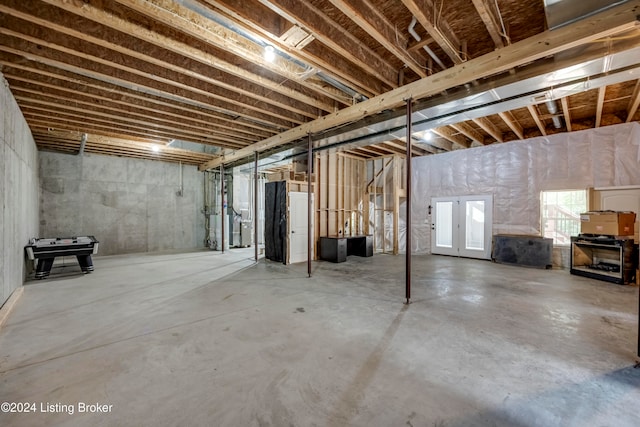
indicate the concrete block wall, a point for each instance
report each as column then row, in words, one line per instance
column 19, row 192
column 129, row 205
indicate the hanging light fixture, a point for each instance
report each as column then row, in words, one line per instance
column 269, row 53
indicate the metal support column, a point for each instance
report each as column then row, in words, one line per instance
column 408, row 193
column 223, row 212
column 309, row 213
column 255, row 203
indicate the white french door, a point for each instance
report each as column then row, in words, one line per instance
column 461, row 226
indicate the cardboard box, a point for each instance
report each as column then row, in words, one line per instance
column 608, row 223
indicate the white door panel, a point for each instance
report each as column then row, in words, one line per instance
column 298, row 226
column 462, row 226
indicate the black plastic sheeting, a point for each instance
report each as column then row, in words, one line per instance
column 275, row 221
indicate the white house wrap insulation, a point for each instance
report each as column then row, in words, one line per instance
column 516, row 172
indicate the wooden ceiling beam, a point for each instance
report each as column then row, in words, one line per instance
column 374, row 23
column 417, row 45
column 100, row 72
column 533, row 110
column 173, row 14
column 634, row 102
column 141, row 74
column 508, row 118
column 566, row 112
column 599, row 105
column 452, row 135
column 56, row 101
column 488, row 126
column 441, row 33
column 607, row 23
column 468, row 131
column 273, row 92
column 83, row 124
column 53, row 77
column 331, row 34
column 488, row 14
column 320, row 56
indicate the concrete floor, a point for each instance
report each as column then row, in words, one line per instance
column 202, row 338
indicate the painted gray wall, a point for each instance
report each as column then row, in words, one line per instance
column 129, row 205
column 516, row 172
column 18, row 191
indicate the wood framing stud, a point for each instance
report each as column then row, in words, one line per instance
column 469, row 132
column 633, row 102
column 566, row 113
column 488, row 15
column 486, row 125
column 452, row 135
column 508, row 118
column 599, row 105
column 533, row 110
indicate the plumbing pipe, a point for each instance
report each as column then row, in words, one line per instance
column 415, row 35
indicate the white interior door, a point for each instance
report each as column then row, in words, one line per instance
column 298, row 226
column 462, row 226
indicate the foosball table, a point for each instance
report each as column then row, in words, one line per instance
column 45, row 252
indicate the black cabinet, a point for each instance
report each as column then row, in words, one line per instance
column 604, row 258
column 336, row 249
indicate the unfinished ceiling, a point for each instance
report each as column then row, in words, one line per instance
column 207, row 81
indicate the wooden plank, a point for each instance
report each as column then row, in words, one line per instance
column 599, row 105
column 610, row 22
column 451, row 135
column 490, row 128
column 90, row 111
column 59, row 77
column 363, row 13
column 566, row 112
column 125, row 109
column 441, row 33
column 512, row 123
column 100, row 16
column 331, row 34
column 533, row 110
column 318, row 55
column 133, row 71
column 196, row 25
column 469, row 132
column 488, row 15
column 634, row 102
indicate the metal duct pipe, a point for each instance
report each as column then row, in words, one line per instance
column 426, row 48
column 552, row 106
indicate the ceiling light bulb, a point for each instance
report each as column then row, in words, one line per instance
column 269, row 53
column 155, row 148
column 427, row 135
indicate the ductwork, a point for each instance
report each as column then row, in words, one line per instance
column 416, row 36
column 552, row 106
column 564, row 12
column 519, row 94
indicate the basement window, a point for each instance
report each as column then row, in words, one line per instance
column 561, row 214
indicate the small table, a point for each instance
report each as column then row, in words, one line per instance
column 46, row 251
column 337, row 248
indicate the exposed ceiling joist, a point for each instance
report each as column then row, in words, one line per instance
column 490, row 128
column 513, row 124
column 363, row 13
column 533, row 110
column 634, row 102
column 610, row 22
column 491, row 19
column 441, row 31
column 566, row 112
